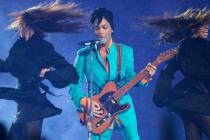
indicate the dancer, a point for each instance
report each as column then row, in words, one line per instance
column 33, row 59
column 189, row 97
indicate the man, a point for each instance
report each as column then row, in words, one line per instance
column 104, row 69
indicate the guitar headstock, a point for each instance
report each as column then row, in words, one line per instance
column 166, row 56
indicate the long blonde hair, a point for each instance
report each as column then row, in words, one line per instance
column 184, row 25
column 51, row 17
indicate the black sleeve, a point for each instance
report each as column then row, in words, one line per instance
column 62, row 73
column 3, row 66
column 164, row 82
column 7, row 64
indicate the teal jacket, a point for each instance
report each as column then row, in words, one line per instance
column 101, row 77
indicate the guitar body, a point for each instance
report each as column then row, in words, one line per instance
column 110, row 108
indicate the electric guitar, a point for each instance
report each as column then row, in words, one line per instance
column 110, row 95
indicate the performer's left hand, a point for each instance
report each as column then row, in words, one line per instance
column 43, row 72
column 150, row 69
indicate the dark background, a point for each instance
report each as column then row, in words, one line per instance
column 153, row 123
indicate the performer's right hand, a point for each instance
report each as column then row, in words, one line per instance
column 97, row 110
column 43, row 72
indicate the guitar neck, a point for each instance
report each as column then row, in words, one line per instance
column 141, row 75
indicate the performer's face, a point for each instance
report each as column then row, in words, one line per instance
column 26, row 32
column 103, row 30
column 203, row 31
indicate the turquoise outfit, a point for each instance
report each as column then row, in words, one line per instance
column 100, row 78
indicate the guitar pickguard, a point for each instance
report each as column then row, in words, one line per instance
column 110, row 104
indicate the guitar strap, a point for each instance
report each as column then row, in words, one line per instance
column 119, row 63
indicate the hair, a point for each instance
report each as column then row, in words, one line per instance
column 50, row 17
column 177, row 28
column 101, row 13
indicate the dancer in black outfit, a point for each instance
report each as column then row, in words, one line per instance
column 33, row 59
column 190, row 97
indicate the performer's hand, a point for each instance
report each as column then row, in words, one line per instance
column 43, row 72
column 150, row 69
column 97, row 110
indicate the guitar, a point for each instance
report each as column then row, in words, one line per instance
column 109, row 97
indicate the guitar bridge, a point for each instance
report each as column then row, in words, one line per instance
column 103, row 120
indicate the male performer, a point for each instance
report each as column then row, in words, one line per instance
column 104, row 69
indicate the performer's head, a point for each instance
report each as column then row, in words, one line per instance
column 188, row 24
column 198, row 21
column 102, row 21
column 202, row 31
column 49, row 18
column 26, row 31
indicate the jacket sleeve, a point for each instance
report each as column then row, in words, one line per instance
column 61, row 73
column 164, row 83
column 75, row 90
column 130, row 73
